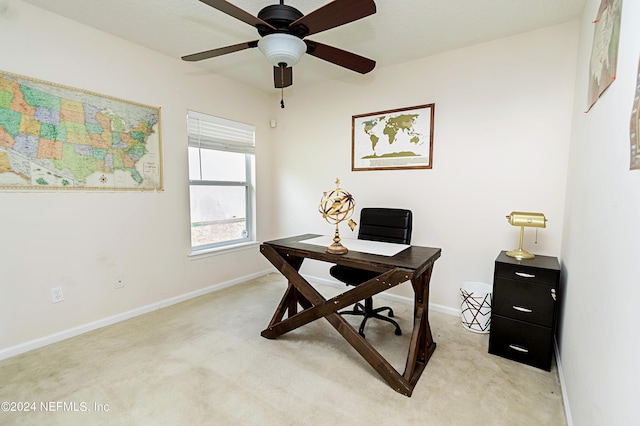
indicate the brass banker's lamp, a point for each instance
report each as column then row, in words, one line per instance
column 522, row 219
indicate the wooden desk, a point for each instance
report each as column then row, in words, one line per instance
column 414, row 263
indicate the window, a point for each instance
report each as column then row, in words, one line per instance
column 221, row 190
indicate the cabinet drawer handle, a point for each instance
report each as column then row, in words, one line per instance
column 521, row 309
column 525, row 275
column 519, row 348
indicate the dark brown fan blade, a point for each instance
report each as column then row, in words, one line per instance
column 334, row 14
column 282, row 77
column 220, row 51
column 340, row 57
column 236, row 12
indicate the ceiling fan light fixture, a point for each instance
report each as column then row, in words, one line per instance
column 281, row 48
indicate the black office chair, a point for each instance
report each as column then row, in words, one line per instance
column 376, row 224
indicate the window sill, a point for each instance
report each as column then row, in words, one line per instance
column 199, row 254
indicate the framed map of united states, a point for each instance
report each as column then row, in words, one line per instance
column 57, row 137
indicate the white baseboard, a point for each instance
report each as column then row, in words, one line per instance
column 76, row 331
column 565, row 396
column 388, row 296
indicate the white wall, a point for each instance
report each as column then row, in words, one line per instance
column 83, row 241
column 599, row 336
column 502, row 128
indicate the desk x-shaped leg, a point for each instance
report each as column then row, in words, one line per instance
column 315, row 306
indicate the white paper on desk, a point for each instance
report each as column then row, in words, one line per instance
column 364, row 246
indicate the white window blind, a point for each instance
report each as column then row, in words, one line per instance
column 210, row 132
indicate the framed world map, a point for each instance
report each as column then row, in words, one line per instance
column 393, row 140
column 58, row 137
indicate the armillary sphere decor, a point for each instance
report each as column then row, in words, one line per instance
column 337, row 205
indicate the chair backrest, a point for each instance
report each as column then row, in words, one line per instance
column 383, row 224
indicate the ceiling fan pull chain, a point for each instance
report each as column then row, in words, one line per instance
column 282, row 67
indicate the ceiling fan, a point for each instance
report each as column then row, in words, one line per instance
column 282, row 29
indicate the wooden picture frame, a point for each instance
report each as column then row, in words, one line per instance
column 395, row 139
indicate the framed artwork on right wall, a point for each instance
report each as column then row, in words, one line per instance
column 604, row 51
column 634, row 131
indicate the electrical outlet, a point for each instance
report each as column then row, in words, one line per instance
column 119, row 283
column 57, row 295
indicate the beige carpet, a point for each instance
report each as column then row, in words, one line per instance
column 203, row 362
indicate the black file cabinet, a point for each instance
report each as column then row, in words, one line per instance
column 525, row 309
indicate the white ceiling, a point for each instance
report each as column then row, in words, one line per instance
column 400, row 31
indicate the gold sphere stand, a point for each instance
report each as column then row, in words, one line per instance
column 337, row 247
